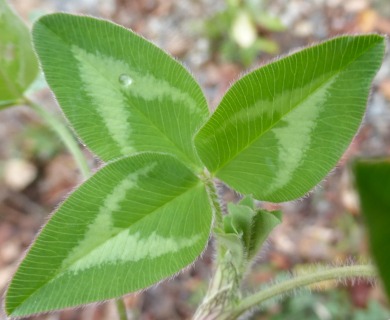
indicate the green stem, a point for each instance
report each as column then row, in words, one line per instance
column 65, row 135
column 337, row 273
column 213, row 194
column 121, row 308
column 217, row 205
column 224, row 291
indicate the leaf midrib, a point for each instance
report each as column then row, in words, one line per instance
column 62, row 271
column 335, row 74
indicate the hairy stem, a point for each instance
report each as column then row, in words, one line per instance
column 223, row 293
column 213, row 194
column 336, row 273
column 65, row 135
column 224, row 288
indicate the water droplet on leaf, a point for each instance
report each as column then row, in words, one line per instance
column 125, row 80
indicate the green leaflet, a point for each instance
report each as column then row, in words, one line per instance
column 373, row 182
column 121, row 93
column 238, row 221
column 280, row 129
column 18, row 64
column 251, row 225
column 248, row 201
column 136, row 221
column 263, row 224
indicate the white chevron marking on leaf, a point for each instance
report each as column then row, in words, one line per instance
column 97, row 72
column 102, row 229
column 292, row 147
column 132, row 247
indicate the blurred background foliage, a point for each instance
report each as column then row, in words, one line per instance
column 240, row 32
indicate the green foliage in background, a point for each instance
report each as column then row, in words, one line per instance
column 236, row 32
column 18, row 64
column 335, row 305
column 373, row 183
column 20, row 77
column 148, row 212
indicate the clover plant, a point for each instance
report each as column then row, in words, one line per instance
column 150, row 210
